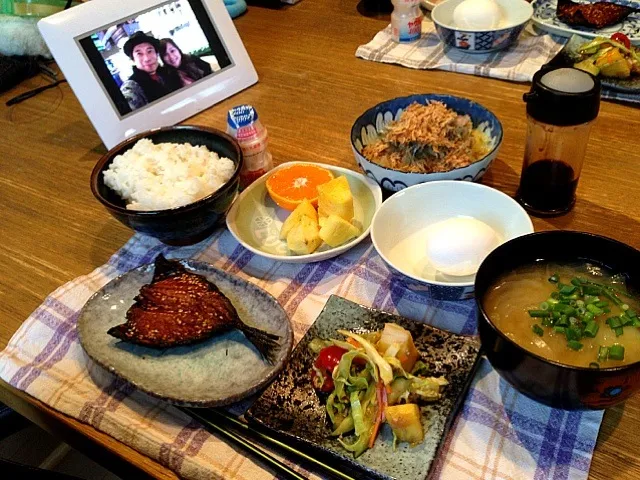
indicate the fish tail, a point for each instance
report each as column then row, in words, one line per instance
column 266, row 343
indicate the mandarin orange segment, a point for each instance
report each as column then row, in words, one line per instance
column 289, row 186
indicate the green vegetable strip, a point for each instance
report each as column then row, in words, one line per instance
column 539, row 313
column 603, row 353
column 591, row 329
column 537, row 329
column 574, row 345
column 616, row 352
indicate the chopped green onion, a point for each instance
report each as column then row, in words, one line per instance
column 544, row 306
column 556, row 315
column 588, row 299
column 555, row 278
column 601, row 303
column 603, row 353
column 591, row 329
column 612, row 296
column 573, row 333
column 555, row 295
column 562, row 322
column 581, row 310
column 559, row 329
column 595, row 310
column 614, row 322
column 616, row 352
column 547, row 322
column 574, row 345
column 631, row 313
column 626, row 320
column 537, row 329
column 606, row 310
column 576, row 282
column 624, row 306
column 618, row 331
column 580, row 303
column 592, row 289
column 589, row 316
column 539, row 313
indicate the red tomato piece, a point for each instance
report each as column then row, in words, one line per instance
column 328, row 359
column 622, row 38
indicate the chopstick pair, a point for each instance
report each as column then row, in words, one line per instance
column 232, row 423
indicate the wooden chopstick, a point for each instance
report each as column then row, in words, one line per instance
column 274, row 463
column 225, row 417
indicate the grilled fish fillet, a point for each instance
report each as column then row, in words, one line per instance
column 181, row 308
column 594, row 15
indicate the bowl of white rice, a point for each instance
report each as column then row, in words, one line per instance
column 173, row 183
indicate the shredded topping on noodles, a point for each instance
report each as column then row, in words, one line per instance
column 428, row 138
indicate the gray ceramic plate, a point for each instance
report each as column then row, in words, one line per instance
column 569, row 55
column 218, row 371
column 290, row 406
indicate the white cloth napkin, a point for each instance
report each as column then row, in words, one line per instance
column 517, row 63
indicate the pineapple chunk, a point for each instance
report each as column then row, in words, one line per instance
column 335, row 197
column 397, row 342
column 406, row 422
column 335, row 230
column 588, row 66
column 613, row 64
column 303, row 238
column 305, row 209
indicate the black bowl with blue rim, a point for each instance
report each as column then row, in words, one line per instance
column 468, row 37
column 550, row 382
column 404, row 225
column 368, row 127
column 184, row 225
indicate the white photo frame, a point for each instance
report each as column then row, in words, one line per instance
column 75, row 35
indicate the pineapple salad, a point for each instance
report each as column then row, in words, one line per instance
column 306, row 228
column 371, row 379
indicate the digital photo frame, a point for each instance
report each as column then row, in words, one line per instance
column 142, row 64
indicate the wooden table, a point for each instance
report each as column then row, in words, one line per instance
column 311, row 89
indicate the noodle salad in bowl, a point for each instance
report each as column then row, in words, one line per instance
column 421, row 138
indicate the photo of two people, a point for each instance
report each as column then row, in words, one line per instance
column 142, row 59
column 160, row 67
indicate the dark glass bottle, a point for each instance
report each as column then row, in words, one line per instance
column 561, row 108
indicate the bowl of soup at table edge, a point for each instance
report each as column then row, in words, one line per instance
column 373, row 122
column 548, row 381
column 187, row 224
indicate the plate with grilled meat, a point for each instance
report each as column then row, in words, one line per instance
column 187, row 332
column 588, row 18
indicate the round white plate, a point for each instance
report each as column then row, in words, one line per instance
column 255, row 220
column 544, row 17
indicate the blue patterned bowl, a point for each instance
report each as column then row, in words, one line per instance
column 367, row 127
column 516, row 15
column 400, row 227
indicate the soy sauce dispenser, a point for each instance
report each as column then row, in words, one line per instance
column 561, row 107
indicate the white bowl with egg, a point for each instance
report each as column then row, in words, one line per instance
column 481, row 26
column 435, row 235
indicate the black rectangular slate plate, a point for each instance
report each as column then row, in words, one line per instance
column 290, row 409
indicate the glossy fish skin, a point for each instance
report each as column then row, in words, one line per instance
column 181, row 308
column 594, row 15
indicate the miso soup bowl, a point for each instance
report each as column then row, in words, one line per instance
column 550, row 382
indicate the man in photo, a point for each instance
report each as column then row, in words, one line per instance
column 150, row 80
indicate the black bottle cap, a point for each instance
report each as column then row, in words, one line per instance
column 563, row 96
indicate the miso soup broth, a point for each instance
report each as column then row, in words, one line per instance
column 539, row 308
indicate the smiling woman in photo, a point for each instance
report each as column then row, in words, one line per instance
column 190, row 67
column 150, row 80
